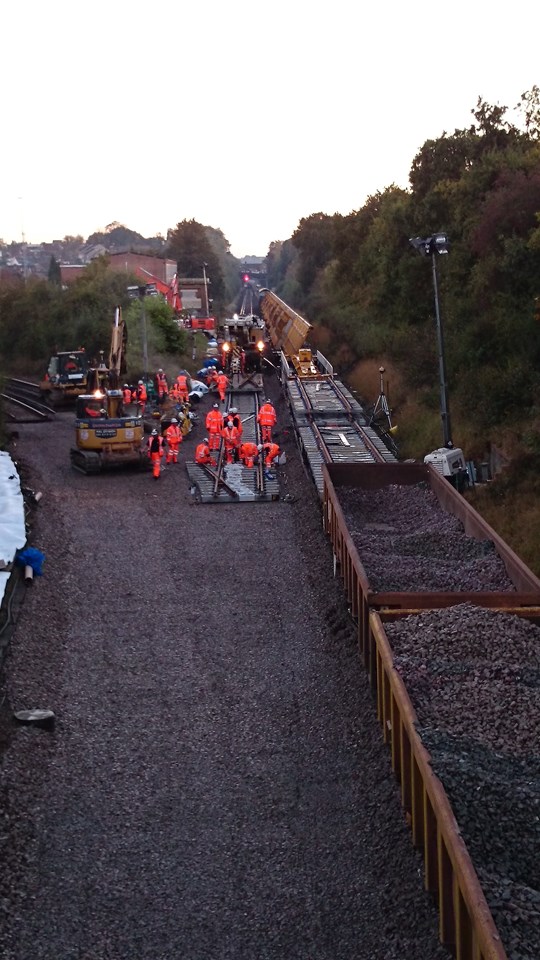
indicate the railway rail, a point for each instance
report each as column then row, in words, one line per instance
column 24, row 402
column 330, row 424
column 233, row 482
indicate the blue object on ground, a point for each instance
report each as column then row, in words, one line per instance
column 30, row 557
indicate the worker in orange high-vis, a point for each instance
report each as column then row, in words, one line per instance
column 231, row 440
column 203, row 454
column 140, row 397
column 155, row 452
column 270, row 452
column 248, row 453
column 183, row 387
column 126, row 395
column 173, row 436
column 211, row 377
column 162, row 387
column 174, row 393
column 267, row 419
column 214, row 425
column 235, row 417
column 222, row 383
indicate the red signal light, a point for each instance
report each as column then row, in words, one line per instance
column 246, row 278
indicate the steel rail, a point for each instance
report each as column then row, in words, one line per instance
column 25, row 395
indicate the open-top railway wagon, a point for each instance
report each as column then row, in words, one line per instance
column 448, row 626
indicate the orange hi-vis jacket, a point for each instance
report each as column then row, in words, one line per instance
column 230, row 436
column 173, row 435
column 139, row 393
column 248, row 453
column 235, row 417
column 267, row 415
column 182, row 386
column 202, row 454
column 174, row 392
column 126, row 394
column 222, row 383
column 214, row 421
column 162, row 385
column 158, row 446
column 271, row 452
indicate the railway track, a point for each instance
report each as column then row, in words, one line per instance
column 235, row 483
column 24, row 402
column 330, row 424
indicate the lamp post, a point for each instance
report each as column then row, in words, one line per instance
column 206, row 289
column 434, row 246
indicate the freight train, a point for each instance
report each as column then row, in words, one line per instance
column 448, row 628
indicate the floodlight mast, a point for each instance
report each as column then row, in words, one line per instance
column 431, row 246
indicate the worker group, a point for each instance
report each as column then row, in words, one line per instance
column 223, row 428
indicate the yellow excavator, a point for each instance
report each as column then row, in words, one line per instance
column 105, row 436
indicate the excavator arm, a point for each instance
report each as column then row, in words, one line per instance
column 117, row 353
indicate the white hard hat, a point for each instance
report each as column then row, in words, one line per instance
column 259, row 447
column 205, row 440
column 154, row 433
column 140, row 382
column 174, row 420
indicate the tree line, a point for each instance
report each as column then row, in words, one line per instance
column 359, row 275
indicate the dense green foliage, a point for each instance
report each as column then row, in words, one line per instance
column 192, row 248
column 359, row 276
column 39, row 318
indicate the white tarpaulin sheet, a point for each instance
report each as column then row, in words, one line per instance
column 12, row 525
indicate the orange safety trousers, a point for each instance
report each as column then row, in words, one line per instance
column 156, row 463
column 172, row 451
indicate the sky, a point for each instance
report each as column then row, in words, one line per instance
column 246, row 117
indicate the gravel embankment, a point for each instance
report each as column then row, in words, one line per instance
column 216, row 785
column 473, row 677
column 408, row 543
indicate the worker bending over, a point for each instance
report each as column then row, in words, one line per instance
column 270, row 452
column 248, row 453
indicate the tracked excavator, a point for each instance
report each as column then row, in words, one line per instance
column 106, row 434
column 66, row 378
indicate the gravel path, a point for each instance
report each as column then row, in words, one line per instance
column 216, row 786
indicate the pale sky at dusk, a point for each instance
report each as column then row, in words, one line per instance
column 245, row 117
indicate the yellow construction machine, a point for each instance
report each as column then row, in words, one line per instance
column 66, row 378
column 105, row 435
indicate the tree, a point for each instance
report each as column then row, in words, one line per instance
column 190, row 246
